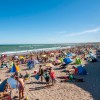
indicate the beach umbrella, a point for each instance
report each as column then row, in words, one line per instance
column 43, row 55
column 12, row 82
column 21, row 57
column 58, row 61
column 49, row 65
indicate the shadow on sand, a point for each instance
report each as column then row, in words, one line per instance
column 92, row 80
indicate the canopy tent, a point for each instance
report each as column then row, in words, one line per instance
column 78, row 61
column 67, row 60
column 14, row 68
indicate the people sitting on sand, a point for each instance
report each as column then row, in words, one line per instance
column 20, row 86
column 20, row 75
column 26, row 76
column 16, row 74
column 7, row 88
column 41, row 72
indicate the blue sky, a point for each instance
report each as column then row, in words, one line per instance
column 49, row 21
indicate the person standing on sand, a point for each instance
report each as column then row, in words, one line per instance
column 20, row 86
column 52, row 76
column 47, row 77
column 41, row 71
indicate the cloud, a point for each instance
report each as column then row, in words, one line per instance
column 84, row 32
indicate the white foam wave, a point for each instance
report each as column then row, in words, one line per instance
column 34, row 50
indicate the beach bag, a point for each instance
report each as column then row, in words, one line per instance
column 37, row 76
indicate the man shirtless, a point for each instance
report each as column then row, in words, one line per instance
column 20, row 85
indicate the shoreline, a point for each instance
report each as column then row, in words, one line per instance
column 10, row 53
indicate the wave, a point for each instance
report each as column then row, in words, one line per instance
column 34, row 50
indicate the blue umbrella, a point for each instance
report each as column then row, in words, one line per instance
column 12, row 82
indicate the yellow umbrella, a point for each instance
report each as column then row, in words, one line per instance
column 21, row 57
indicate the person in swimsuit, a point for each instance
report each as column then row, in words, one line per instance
column 47, row 77
column 20, row 85
column 41, row 71
column 52, row 76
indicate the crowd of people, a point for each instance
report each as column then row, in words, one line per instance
column 46, row 74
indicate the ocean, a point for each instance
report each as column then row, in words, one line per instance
column 22, row 48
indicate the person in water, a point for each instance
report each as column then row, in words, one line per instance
column 20, row 86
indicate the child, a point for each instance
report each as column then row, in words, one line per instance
column 26, row 76
column 52, row 76
column 47, row 77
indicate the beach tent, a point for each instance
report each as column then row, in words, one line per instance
column 81, row 70
column 61, row 59
column 30, row 64
column 11, row 81
column 36, row 62
column 67, row 60
column 14, row 68
column 78, row 61
column 2, row 85
column 92, row 58
column 69, row 54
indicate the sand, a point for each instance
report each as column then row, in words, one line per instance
column 88, row 90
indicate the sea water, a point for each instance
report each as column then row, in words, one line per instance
column 23, row 48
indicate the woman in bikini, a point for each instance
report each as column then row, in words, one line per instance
column 20, row 85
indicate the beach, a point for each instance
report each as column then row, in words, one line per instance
column 35, row 90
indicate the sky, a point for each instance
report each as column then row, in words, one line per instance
column 49, row 21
